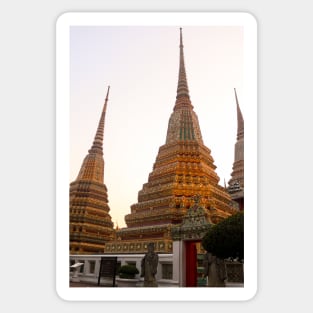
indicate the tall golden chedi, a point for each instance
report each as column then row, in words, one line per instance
column 90, row 222
column 236, row 183
column 183, row 169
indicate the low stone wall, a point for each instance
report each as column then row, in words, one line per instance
column 90, row 270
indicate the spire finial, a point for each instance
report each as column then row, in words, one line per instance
column 182, row 97
column 98, row 141
column 107, row 96
column 236, row 97
column 240, row 122
column 106, row 100
column 181, row 38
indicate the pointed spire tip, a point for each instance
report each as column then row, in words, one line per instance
column 236, row 96
column 107, row 93
column 181, row 37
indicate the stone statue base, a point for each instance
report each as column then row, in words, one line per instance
column 150, row 284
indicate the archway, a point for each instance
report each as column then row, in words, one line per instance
column 187, row 239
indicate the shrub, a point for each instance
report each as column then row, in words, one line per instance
column 226, row 239
column 128, row 271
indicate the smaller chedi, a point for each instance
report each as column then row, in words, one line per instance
column 90, row 222
column 236, row 183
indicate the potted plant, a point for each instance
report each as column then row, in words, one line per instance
column 127, row 276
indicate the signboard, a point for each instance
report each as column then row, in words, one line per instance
column 108, row 269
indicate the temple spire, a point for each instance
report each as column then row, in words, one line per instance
column 240, row 122
column 182, row 96
column 236, row 182
column 90, row 222
column 98, row 141
column 183, row 124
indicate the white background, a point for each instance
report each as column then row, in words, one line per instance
column 27, row 130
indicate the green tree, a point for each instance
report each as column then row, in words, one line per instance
column 226, row 239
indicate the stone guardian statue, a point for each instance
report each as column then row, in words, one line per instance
column 149, row 265
column 214, row 269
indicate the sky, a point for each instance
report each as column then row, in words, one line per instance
column 140, row 64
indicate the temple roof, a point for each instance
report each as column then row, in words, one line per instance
column 195, row 223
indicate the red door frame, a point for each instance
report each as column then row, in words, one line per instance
column 191, row 263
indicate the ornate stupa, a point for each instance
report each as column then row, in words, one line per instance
column 236, row 183
column 90, row 222
column 184, row 168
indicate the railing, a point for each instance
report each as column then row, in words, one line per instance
column 90, row 270
column 235, row 273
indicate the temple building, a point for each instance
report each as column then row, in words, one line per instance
column 236, row 183
column 183, row 171
column 90, row 221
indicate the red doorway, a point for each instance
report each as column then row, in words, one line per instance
column 191, row 263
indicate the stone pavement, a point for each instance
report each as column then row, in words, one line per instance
column 84, row 284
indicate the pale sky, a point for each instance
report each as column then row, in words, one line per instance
column 141, row 66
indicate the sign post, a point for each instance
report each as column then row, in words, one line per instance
column 108, row 269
